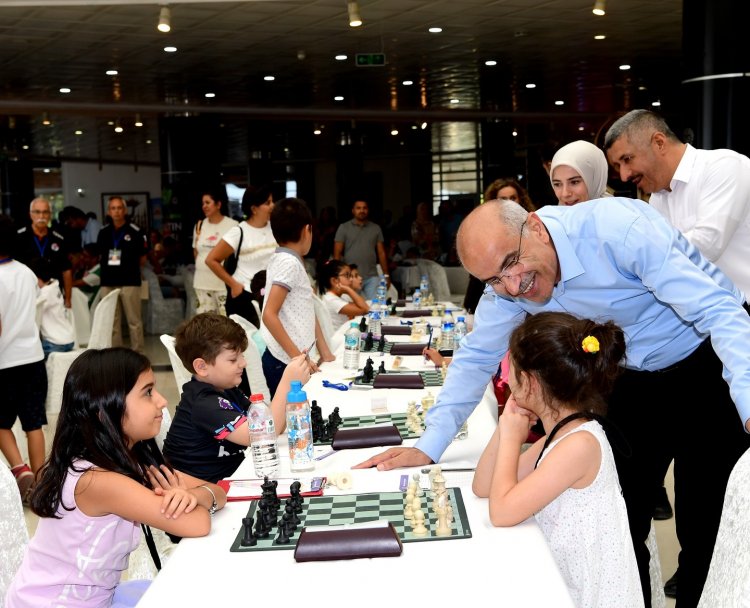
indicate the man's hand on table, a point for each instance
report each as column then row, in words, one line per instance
column 395, row 458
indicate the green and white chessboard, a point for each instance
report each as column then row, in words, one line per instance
column 355, row 422
column 429, row 377
column 358, row 508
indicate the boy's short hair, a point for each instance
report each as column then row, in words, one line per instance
column 205, row 336
column 288, row 218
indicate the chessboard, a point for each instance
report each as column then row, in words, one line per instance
column 429, row 377
column 355, row 422
column 389, row 345
column 359, row 508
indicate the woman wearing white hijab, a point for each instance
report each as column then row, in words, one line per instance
column 579, row 173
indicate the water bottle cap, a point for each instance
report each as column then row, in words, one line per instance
column 256, row 397
column 296, row 394
column 462, row 319
column 353, row 324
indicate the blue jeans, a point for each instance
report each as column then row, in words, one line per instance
column 273, row 370
column 370, row 287
column 50, row 347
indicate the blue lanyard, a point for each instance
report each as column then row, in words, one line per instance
column 116, row 241
column 41, row 245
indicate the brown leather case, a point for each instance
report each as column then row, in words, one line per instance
column 347, row 544
column 395, row 330
column 373, row 436
column 408, row 314
column 398, row 381
column 407, row 348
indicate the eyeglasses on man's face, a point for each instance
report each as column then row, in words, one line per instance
column 511, row 269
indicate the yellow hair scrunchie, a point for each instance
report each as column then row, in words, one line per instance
column 590, row 344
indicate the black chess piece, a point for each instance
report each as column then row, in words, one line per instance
column 260, row 526
column 393, row 310
column 296, row 521
column 335, row 416
column 283, row 537
column 248, row 538
column 316, row 412
column 363, row 324
column 381, row 368
column 381, row 344
column 367, row 371
column 368, row 341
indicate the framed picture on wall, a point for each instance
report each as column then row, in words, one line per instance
column 137, row 204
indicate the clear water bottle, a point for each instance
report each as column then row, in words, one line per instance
column 351, row 346
column 374, row 326
column 446, row 337
column 299, row 429
column 459, row 332
column 416, row 299
column 262, row 437
column 424, row 285
column 382, row 290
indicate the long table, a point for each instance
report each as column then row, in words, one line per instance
column 512, row 565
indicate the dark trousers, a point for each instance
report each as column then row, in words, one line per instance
column 273, row 369
column 242, row 305
column 683, row 413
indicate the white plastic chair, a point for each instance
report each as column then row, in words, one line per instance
column 81, row 316
column 181, row 373
column 59, row 363
column 15, row 536
column 163, row 315
column 254, row 367
column 728, row 581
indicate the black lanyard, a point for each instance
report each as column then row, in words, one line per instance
column 558, row 426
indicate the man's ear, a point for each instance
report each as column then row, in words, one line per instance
column 659, row 142
column 201, row 367
column 534, row 224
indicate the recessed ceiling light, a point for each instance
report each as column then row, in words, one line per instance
column 119, row 148
column 407, row 83
column 559, row 102
column 455, row 100
column 435, row 30
column 210, row 95
column 394, row 132
column 119, row 129
column 341, row 57
column 269, row 78
column 625, row 66
column 64, row 90
column 170, row 49
column 530, row 85
column 79, row 132
column 138, row 122
column 338, row 98
column 317, row 131
column 580, row 128
column 490, row 62
column 110, row 122
column 600, row 37
column 165, row 18
column 25, row 147
column 656, row 103
column 423, row 126
column 45, row 170
column 514, row 133
column 641, row 88
column 148, row 141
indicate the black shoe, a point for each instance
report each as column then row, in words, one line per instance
column 670, row 587
column 663, row 510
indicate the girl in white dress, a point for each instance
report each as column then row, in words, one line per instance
column 561, row 370
column 341, row 300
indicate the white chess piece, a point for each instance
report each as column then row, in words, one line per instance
column 443, row 528
column 419, row 528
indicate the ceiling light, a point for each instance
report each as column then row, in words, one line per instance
column 118, row 127
column 317, row 131
column 641, row 88
column 148, row 141
column 435, row 30
column 559, row 102
column 45, row 120
column 530, row 85
column 514, row 133
column 599, row 8
column 600, row 37
column 341, row 57
column 490, row 62
column 580, row 128
column 110, row 123
column 25, row 146
column 79, row 132
column 625, row 66
column 170, row 49
column 455, row 100
column 111, row 72
column 64, row 90
column 355, row 20
column 210, row 95
column 45, row 170
column 423, row 126
column 138, row 122
column 338, row 98
column 656, row 103
column 407, row 83
column 165, row 20
column 394, row 131
column 269, row 78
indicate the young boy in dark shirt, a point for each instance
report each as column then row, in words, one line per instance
column 209, row 433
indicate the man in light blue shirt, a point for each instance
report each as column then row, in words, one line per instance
column 616, row 259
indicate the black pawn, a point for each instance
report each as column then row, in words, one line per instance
column 368, row 341
column 363, row 325
column 283, row 536
column 260, row 528
column 381, row 344
column 381, row 369
column 248, row 539
column 289, row 510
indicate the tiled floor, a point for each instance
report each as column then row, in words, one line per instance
column 166, row 385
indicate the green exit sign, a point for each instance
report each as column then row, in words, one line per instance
column 368, row 60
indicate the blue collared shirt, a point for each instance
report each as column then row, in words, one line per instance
column 620, row 260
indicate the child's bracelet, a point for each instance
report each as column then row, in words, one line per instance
column 214, row 506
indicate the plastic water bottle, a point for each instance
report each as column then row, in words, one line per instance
column 417, row 298
column 299, row 429
column 382, row 290
column 459, row 331
column 424, row 285
column 262, row 437
column 446, row 337
column 375, row 322
column 351, row 347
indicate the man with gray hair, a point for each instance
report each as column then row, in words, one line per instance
column 38, row 241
